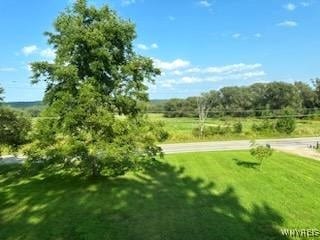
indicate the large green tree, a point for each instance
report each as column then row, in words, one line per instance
column 316, row 85
column 96, row 96
column 307, row 94
column 236, row 100
column 280, row 95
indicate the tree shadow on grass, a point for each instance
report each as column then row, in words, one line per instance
column 162, row 203
column 247, row 164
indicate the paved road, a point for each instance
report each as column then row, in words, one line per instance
column 10, row 159
column 238, row 145
column 296, row 145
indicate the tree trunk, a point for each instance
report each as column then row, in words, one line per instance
column 94, row 169
column 201, row 129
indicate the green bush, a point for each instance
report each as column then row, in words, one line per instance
column 265, row 126
column 14, row 128
column 286, row 125
column 260, row 152
column 237, row 127
column 196, row 132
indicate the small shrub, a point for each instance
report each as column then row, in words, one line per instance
column 14, row 128
column 286, row 125
column 265, row 126
column 196, row 132
column 237, row 127
column 260, row 152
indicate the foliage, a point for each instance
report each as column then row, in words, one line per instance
column 14, row 128
column 286, row 124
column 184, row 129
column 173, row 108
column 280, row 95
column 156, row 106
column 307, row 94
column 260, row 152
column 316, row 85
column 181, row 108
column 237, row 127
column 266, row 126
column 96, row 96
column 259, row 99
column 33, row 111
column 235, row 101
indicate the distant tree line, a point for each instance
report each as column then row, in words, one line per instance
column 259, row 99
column 14, row 126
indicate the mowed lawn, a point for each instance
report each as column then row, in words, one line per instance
column 218, row 195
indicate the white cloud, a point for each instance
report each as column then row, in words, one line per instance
column 167, row 83
column 142, row 46
column 171, row 66
column 248, row 75
column 177, row 73
column 236, row 35
column 288, row 24
column 205, row 3
column 234, row 68
column 290, row 7
column 28, row 67
column 48, row 53
column 258, row 35
column 196, row 75
column 145, row 47
column 28, row 50
column 154, row 46
column 193, row 70
column 7, row 69
column 190, row 80
column 241, row 36
column 127, row 2
column 305, row 4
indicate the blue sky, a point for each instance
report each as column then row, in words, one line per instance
column 198, row 44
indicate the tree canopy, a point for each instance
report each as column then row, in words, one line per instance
column 255, row 100
column 14, row 128
column 96, row 95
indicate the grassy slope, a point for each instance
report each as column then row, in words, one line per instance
column 180, row 129
column 186, row 196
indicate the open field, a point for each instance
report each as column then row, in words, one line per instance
column 180, row 129
column 217, row 195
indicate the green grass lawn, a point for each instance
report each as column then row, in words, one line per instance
column 216, row 195
column 180, row 129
